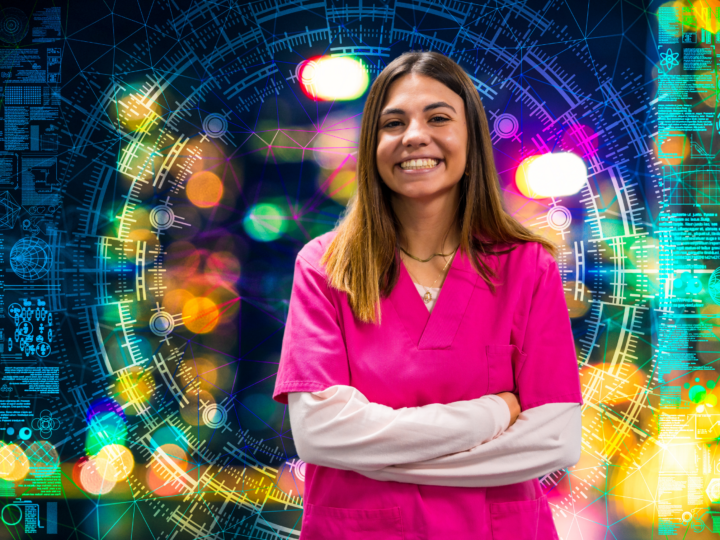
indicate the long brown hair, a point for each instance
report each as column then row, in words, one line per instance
column 362, row 258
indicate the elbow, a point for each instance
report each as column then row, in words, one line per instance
column 563, row 456
column 573, row 453
column 302, row 438
column 573, row 446
column 570, row 442
column 333, row 457
column 304, row 449
column 314, row 454
column 310, row 452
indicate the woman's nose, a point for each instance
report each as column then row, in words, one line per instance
column 416, row 134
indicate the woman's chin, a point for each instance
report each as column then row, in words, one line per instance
column 420, row 194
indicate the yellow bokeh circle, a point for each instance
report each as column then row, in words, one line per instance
column 200, row 315
column 522, row 178
column 119, row 462
column 204, row 189
column 14, row 464
column 92, row 476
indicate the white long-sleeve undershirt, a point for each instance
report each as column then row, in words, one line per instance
column 465, row 443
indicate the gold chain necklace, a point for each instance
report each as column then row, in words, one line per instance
column 431, row 257
column 428, row 296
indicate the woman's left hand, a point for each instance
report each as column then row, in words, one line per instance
column 513, row 404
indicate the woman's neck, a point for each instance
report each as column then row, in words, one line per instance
column 428, row 226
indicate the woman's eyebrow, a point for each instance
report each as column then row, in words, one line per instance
column 435, row 105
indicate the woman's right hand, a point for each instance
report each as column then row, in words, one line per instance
column 513, row 404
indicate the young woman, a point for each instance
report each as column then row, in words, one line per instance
column 413, row 326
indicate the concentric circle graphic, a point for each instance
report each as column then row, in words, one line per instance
column 506, row 126
column 162, row 217
column 214, row 416
column 13, row 25
column 161, row 324
column 31, row 258
column 559, row 218
column 215, row 125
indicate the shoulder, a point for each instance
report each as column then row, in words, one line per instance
column 312, row 252
column 543, row 259
column 528, row 263
column 532, row 254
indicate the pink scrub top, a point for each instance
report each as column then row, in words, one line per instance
column 473, row 343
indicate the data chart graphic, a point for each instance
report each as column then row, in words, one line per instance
column 163, row 162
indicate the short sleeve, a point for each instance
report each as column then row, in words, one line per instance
column 314, row 355
column 549, row 371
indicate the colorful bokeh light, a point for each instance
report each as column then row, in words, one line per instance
column 265, row 222
column 334, row 78
column 200, row 315
column 92, row 477
column 119, row 462
column 551, row 175
column 14, row 464
column 340, row 186
column 204, row 189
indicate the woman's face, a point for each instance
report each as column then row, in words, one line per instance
column 422, row 137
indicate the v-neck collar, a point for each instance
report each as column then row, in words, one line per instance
column 436, row 329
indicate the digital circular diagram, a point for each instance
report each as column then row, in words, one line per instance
column 195, row 164
column 30, row 258
column 14, row 25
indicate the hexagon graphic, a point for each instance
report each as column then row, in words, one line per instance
column 713, row 490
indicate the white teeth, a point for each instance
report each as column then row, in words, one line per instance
column 418, row 164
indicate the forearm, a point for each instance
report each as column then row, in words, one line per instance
column 340, row 428
column 543, row 439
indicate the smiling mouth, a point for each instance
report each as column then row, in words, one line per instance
column 418, row 164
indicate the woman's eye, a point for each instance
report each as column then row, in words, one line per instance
column 434, row 119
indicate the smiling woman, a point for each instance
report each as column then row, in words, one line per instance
column 434, row 420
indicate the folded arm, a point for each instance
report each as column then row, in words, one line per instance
column 338, row 427
column 544, row 439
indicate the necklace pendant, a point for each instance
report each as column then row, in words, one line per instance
column 427, row 297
